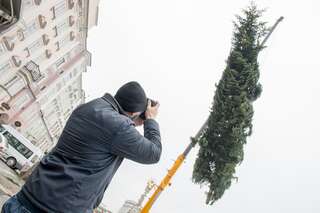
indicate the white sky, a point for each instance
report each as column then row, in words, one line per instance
column 177, row 50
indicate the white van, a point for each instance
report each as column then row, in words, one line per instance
column 20, row 152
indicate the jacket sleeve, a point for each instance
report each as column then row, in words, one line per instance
column 129, row 143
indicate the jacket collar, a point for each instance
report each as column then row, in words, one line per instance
column 114, row 103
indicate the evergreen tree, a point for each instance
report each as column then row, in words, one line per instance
column 230, row 120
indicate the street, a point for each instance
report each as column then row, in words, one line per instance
column 10, row 182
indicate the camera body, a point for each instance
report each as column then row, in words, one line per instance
column 143, row 115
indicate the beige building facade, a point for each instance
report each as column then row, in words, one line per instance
column 43, row 54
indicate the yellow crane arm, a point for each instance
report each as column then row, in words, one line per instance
column 164, row 183
column 166, row 180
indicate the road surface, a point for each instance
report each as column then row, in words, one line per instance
column 10, row 182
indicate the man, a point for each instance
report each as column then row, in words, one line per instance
column 73, row 177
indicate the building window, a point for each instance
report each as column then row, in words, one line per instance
column 42, row 21
column 2, row 49
column 14, row 85
column 57, row 46
column 64, row 41
column 45, row 39
column 60, row 62
column 60, row 8
column 20, row 35
column 16, row 60
column 62, row 26
column 55, row 30
column 8, row 42
column 37, row 2
column 71, row 21
column 48, row 53
column 5, row 67
column 26, row 50
column 30, row 28
column 70, row 4
column 35, row 46
column 53, row 13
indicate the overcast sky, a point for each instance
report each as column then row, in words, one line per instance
column 177, row 50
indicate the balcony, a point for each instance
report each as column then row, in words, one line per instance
column 34, row 71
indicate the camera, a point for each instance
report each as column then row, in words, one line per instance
column 143, row 115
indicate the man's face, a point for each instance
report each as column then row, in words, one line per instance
column 138, row 121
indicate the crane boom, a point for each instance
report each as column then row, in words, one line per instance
column 166, row 180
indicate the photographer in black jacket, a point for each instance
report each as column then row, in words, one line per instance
column 73, row 177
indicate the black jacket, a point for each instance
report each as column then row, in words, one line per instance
column 73, row 177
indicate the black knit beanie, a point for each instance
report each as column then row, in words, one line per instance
column 132, row 97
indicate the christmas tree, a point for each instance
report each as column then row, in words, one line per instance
column 230, row 120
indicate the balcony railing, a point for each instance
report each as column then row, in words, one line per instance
column 34, row 71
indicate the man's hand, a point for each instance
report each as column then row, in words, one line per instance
column 152, row 111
